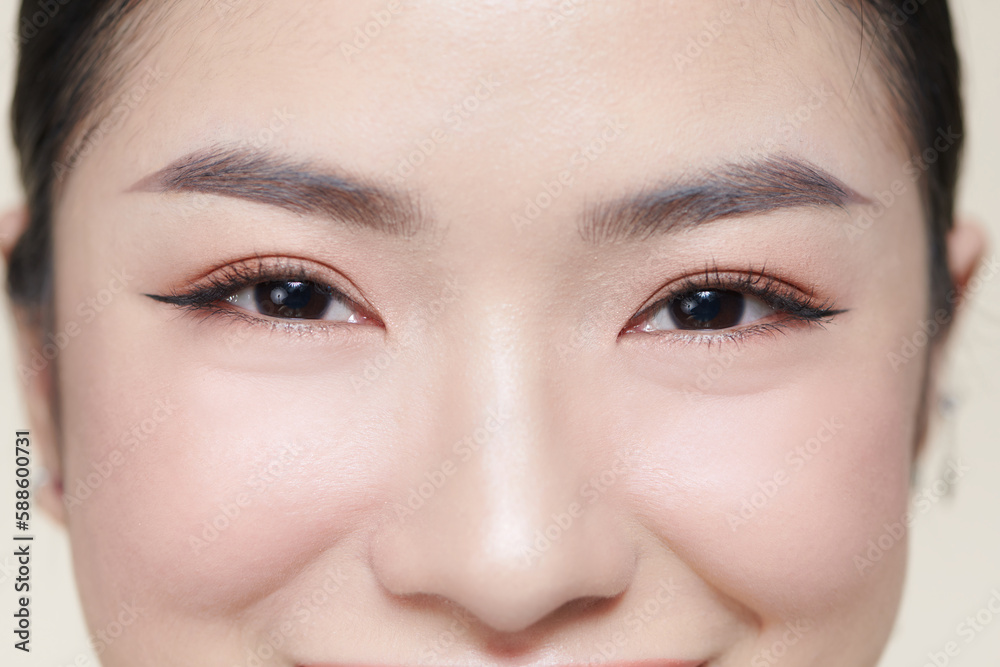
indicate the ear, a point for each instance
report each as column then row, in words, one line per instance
column 36, row 378
column 967, row 243
column 966, row 246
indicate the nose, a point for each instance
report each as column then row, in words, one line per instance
column 513, row 513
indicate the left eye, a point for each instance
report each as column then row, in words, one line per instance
column 294, row 299
column 706, row 309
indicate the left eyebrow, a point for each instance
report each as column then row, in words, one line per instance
column 734, row 189
column 294, row 184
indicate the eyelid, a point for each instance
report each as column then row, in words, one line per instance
column 210, row 289
column 781, row 295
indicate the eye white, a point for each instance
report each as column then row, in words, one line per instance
column 337, row 310
column 663, row 319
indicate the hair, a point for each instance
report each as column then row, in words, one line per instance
column 75, row 57
column 915, row 47
column 71, row 57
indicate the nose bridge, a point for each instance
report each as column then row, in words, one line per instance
column 501, row 526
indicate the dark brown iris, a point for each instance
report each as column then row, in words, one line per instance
column 707, row 309
column 291, row 299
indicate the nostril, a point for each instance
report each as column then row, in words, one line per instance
column 511, row 643
column 578, row 578
column 591, row 605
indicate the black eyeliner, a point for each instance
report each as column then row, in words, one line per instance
column 235, row 278
column 774, row 293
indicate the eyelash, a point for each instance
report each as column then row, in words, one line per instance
column 796, row 305
column 209, row 299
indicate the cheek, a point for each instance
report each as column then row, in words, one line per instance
column 772, row 496
column 220, row 485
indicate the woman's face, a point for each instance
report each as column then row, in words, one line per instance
column 610, row 379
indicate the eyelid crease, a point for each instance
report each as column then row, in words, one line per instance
column 794, row 303
column 241, row 274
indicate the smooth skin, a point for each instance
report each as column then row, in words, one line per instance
column 494, row 465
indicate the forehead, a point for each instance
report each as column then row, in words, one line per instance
column 505, row 91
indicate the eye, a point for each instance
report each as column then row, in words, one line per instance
column 735, row 303
column 278, row 288
column 295, row 299
column 705, row 309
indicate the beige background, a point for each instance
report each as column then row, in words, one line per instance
column 955, row 562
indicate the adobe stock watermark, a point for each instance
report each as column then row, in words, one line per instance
column 199, row 202
column 562, row 522
column 231, row 511
column 901, row 14
column 78, row 491
column 462, row 451
column 550, row 190
column 112, row 122
column 451, row 122
column 970, row 628
column 911, row 345
column 8, row 568
column 224, row 9
column 713, row 372
column 711, row 30
column 303, row 610
column 99, row 641
column 563, row 11
column 794, row 632
column 794, row 121
column 106, row 636
column 407, row 337
column 461, row 622
column 920, row 504
column 635, row 621
column 278, row 121
column 637, row 278
column 364, row 34
column 31, row 25
column 87, row 311
column 795, row 460
column 913, row 169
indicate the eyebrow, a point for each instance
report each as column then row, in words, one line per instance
column 734, row 189
column 294, row 185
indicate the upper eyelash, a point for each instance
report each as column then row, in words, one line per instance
column 757, row 283
column 236, row 277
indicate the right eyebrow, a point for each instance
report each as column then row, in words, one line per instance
column 294, row 185
column 733, row 189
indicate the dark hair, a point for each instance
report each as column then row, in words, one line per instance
column 915, row 48
column 71, row 60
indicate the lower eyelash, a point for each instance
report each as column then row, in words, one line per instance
column 209, row 300
column 776, row 294
column 756, row 283
column 318, row 330
column 730, row 336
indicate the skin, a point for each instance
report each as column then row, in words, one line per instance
column 307, row 458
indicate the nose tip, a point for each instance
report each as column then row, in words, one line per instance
column 510, row 552
column 507, row 589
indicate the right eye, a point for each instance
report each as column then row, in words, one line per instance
column 706, row 309
column 296, row 299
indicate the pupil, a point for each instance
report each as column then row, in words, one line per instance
column 708, row 309
column 291, row 299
